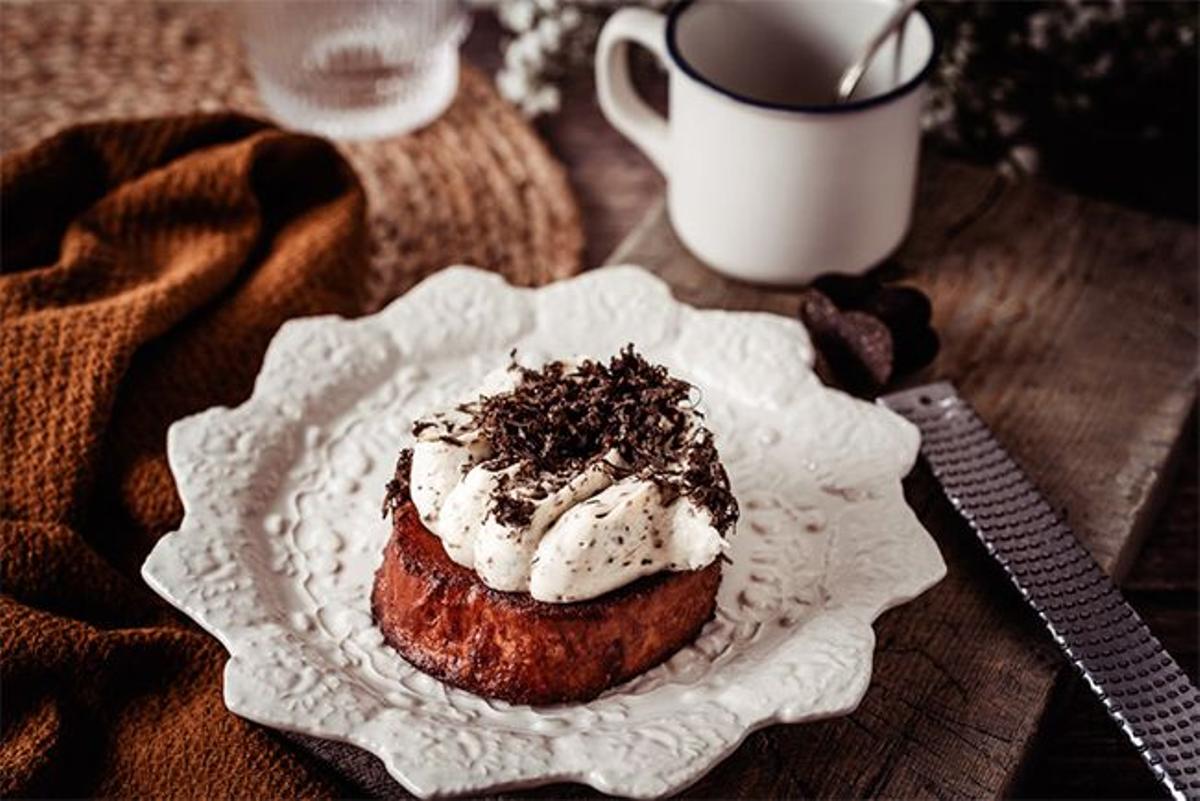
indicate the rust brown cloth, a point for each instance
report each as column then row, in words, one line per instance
column 145, row 266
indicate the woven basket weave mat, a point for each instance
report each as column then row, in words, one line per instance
column 475, row 187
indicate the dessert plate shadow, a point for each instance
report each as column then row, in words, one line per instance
column 282, row 534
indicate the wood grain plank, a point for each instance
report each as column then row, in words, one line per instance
column 1080, row 753
column 1070, row 324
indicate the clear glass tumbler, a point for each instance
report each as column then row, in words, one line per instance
column 354, row 69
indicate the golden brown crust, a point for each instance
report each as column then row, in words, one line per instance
column 448, row 623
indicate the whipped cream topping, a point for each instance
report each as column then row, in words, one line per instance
column 586, row 524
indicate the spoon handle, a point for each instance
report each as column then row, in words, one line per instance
column 854, row 73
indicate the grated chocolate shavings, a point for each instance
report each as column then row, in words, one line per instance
column 398, row 490
column 560, row 420
column 510, row 511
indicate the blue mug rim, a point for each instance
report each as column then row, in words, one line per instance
column 676, row 11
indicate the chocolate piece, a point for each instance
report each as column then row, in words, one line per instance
column 906, row 312
column 856, row 347
column 851, row 348
column 901, row 308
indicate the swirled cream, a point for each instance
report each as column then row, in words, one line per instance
column 572, row 481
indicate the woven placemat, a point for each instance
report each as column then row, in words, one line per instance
column 475, row 187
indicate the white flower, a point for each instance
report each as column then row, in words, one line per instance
column 1007, row 123
column 545, row 100
column 550, row 32
column 525, row 51
column 517, row 15
column 570, row 17
column 1025, row 158
column 1039, row 30
column 513, row 85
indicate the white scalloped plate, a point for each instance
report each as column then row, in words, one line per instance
column 282, row 534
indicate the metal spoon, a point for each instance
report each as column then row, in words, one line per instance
column 854, row 73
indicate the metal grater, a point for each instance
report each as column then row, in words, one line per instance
column 1143, row 688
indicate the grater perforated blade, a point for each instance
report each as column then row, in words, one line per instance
column 1141, row 686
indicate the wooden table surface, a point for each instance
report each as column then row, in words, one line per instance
column 1080, row 753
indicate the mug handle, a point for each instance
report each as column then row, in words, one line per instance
column 619, row 101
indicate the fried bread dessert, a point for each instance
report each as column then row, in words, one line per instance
column 557, row 535
column 507, row 645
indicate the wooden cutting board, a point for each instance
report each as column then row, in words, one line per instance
column 1071, row 325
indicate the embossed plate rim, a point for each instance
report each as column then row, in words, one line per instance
column 212, row 568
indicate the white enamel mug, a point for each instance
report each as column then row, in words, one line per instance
column 769, row 180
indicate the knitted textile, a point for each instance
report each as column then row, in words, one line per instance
column 145, row 267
